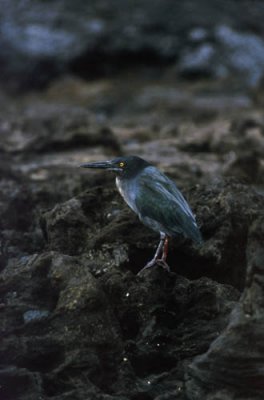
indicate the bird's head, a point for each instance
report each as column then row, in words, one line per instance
column 126, row 167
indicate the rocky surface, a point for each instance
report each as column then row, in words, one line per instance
column 76, row 321
column 235, row 359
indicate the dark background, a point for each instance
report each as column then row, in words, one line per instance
column 41, row 40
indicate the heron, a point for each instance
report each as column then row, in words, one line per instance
column 156, row 200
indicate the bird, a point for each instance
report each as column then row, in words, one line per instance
column 156, row 199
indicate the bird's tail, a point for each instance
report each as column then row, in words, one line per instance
column 192, row 231
column 197, row 236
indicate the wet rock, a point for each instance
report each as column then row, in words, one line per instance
column 238, row 351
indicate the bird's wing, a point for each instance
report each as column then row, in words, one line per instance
column 158, row 199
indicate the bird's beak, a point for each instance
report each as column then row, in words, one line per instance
column 101, row 165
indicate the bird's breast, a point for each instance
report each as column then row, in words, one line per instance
column 127, row 190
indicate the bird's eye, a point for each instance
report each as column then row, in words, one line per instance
column 121, row 164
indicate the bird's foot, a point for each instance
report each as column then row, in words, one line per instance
column 148, row 265
column 162, row 263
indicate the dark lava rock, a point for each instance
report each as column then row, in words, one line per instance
column 112, row 335
column 19, row 228
column 65, row 227
column 106, row 332
column 76, row 321
column 40, row 129
column 234, row 362
column 227, row 210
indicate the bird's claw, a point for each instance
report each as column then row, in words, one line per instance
column 163, row 264
column 160, row 262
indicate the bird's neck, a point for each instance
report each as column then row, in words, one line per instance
column 127, row 191
column 119, row 184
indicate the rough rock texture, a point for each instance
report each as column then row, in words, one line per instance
column 40, row 40
column 235, row 359
column 76, row 321
column 114, row 334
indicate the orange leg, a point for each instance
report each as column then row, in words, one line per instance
column 165, row 249
column 163, row 246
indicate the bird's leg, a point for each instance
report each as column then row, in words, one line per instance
column 162, row 260
column 159, row 248
column 156, row 256
column 163, row 246
column 165, row 249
